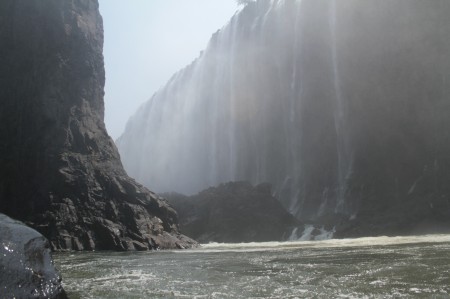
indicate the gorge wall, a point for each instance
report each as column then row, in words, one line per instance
column 60, row 172
column 342, row 105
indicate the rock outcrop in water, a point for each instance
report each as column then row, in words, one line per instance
column 234, row 212
column 342, row 105
column 60, row 172
column 26, row 266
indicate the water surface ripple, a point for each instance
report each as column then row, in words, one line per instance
column 398, row 267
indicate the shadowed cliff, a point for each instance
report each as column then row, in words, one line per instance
column 60, row 172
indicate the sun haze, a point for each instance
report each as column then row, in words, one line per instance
column 146, row 42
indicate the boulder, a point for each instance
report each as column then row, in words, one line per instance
column 26, row 265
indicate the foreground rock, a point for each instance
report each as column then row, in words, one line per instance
column 26, row 266
column 232, row 213
column 60, row 172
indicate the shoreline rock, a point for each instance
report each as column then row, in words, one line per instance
column 26, row 265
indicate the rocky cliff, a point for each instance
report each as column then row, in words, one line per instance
column 342, row 105
column 60, row 172
column 234, row 212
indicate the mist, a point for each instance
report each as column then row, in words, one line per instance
column 340, row 105
column 146, row 42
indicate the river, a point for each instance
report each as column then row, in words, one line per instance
column 379, row 267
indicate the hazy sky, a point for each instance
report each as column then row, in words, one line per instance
column 146, row 42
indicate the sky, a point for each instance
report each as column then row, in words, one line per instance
column 146, row 42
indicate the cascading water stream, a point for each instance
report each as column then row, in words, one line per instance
column 234, row 114
column 331, row 102
column 344, row 164
column 296, row 89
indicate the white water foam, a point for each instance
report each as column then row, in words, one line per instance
column 357, row 242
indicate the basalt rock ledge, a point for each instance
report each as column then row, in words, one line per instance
column 234, row 212
column 60, row 172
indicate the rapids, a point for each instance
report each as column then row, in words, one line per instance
column 382, row 267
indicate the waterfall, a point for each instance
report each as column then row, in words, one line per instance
column 329, row 101
column 235, row 113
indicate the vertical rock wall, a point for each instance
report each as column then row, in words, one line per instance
column 60, row 172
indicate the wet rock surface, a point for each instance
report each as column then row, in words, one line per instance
column 60, row 172
column 232, row 213
column 26, row 265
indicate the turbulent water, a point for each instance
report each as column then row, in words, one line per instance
column 360, row 268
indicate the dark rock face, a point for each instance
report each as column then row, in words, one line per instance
column 26, row 266
column 232, row 213
column 60, row 172
column 342, row 105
